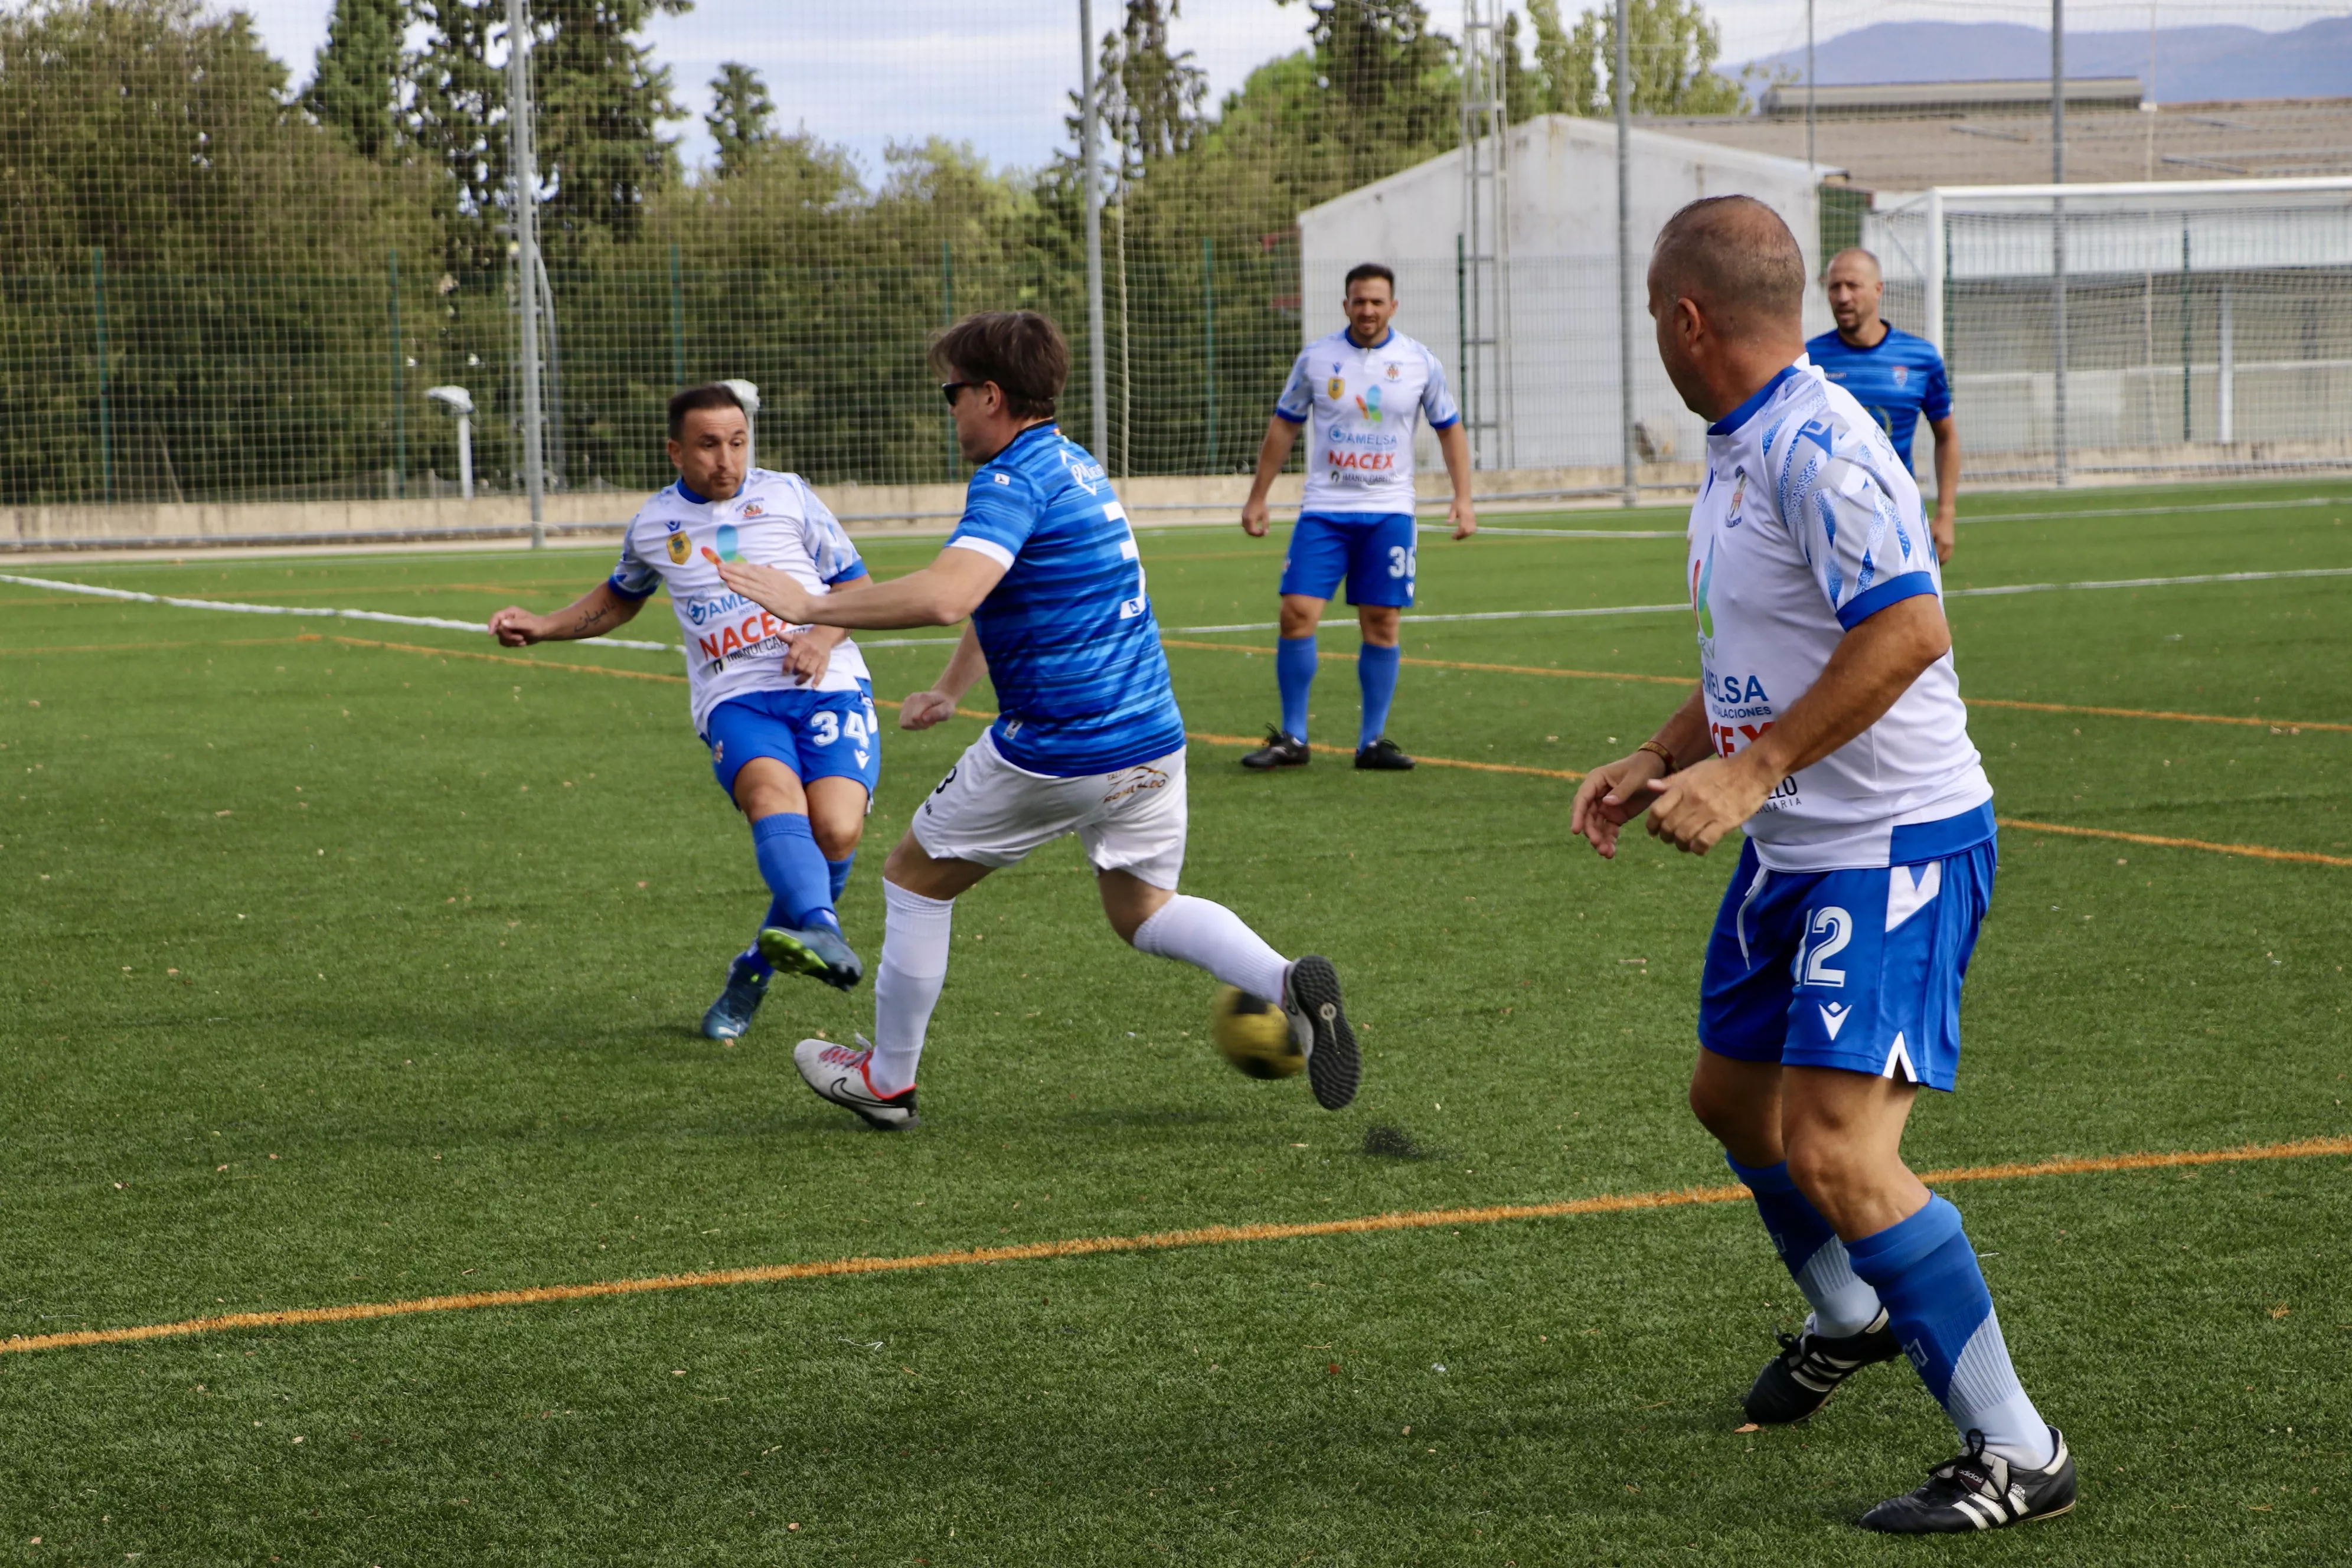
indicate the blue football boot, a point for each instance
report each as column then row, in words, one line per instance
column 817, row 951
column 746, row 987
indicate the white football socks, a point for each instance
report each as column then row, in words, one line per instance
column 916, row 932
column 1843, row 1302
column 1210, row 936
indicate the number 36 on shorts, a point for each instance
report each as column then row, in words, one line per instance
column 1404, row 561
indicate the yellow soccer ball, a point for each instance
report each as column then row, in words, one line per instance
column 1252, row 1033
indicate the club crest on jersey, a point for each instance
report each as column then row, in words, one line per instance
column 1732, row 518
column 1394, row 370
column 1337, row 386
column 754, row 509
column 1901, row 373
column 678, row 549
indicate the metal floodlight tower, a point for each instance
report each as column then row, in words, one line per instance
column 527, row 268
column 459, row 402
column 748, row 396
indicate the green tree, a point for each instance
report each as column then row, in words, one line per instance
column 1671, row 47
column 740, row 110
column 360, row 84
column 1390, row 76
column 601, row 102
column 459, row 123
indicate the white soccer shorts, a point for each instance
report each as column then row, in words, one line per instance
column 991, row 813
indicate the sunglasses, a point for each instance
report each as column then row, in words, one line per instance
column 948, row 389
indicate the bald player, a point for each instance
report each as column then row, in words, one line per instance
column 1828, row 724
column 1895, row 376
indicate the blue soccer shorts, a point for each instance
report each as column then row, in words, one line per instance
column 1375, row 554
column 817, row 734
column 1857, row 969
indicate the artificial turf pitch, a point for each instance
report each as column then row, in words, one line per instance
column 344, row 973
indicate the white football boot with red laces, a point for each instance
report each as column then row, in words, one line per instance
column 837, row 1073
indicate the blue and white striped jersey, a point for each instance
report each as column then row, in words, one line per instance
column 1896, row 380
column 1073, row 649
column 1359, row 407
column 1804, row 528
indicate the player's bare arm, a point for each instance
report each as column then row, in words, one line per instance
column 937, row 703
column 1453, row 443
column 810, row 652
column 1616, row 793
column 599, row 610
column 941, row 595
column 1873, row 664
column 1281, row 434
column 1944, row 527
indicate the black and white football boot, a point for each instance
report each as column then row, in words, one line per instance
column 1280, row 751
column 837, row 1073
column 1800, row 1379
column 1979, row 1491
column 1310, row 1000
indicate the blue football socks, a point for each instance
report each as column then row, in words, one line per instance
column 1294, row 672
column 837, row 872
column 794, row 870
column 1376, row 673
column 1842, row 1304
column 1925, row 1272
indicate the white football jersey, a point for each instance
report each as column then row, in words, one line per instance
column 732, row 646
column 1807, row 525
column 1359, row 407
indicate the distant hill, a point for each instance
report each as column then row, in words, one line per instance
column 2189, row 64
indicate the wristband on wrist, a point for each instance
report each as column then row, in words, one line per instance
column 1661, row 750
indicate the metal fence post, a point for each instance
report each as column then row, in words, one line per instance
column 526, row 201
column 105, row 412
column 399, row 392
column 2058, row 231
column 1209, row 336
column 1620, row 87
column 947, row 319
column 677, row 324
column 2185, row 321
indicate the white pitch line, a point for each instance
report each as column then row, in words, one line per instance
column 386, row 616
column 236, row 608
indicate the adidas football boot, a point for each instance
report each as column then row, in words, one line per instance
column 817, row 951
column 837, row 1073
column 1800, row 1379
column 1310, row 1000
column 746, row 987
column 1280, row 751
column 1979, row 1491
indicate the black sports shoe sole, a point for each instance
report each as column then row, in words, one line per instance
column 1383, row 763
column 1333, row 1068
column 1271, row 764
column 787, row 952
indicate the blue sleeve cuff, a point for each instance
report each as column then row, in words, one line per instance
column 1931, row 414
column 1446, row 424
column 627, row 592
column 1872, row 600
column 1286, row 413
column 855, row 570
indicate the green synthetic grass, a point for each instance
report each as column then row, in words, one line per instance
column 435, row 934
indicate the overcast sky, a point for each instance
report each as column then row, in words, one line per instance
column 996, row 74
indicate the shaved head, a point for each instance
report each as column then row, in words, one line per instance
column 1736, row 260
column 1855, row 258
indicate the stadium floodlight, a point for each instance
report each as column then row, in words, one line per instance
column 459, row 402
column 748, row 394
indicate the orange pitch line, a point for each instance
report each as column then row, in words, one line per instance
column 1086, row 1247
column 1463, row 664
column 2159, row 713
column 2254, row 851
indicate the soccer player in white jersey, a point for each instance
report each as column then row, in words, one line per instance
column 1829, row 723
column 1089, row 740
column 1360, row 392
column 787, row 710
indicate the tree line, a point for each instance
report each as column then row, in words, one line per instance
column 275, row 275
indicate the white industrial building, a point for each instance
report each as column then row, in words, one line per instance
column 1553, row 392
column 2208, row 316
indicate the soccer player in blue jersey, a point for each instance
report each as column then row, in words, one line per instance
column 1359, row 392
column 786, row 710
column 1829, row 724
column 1898, row 379
column 1089, row 740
